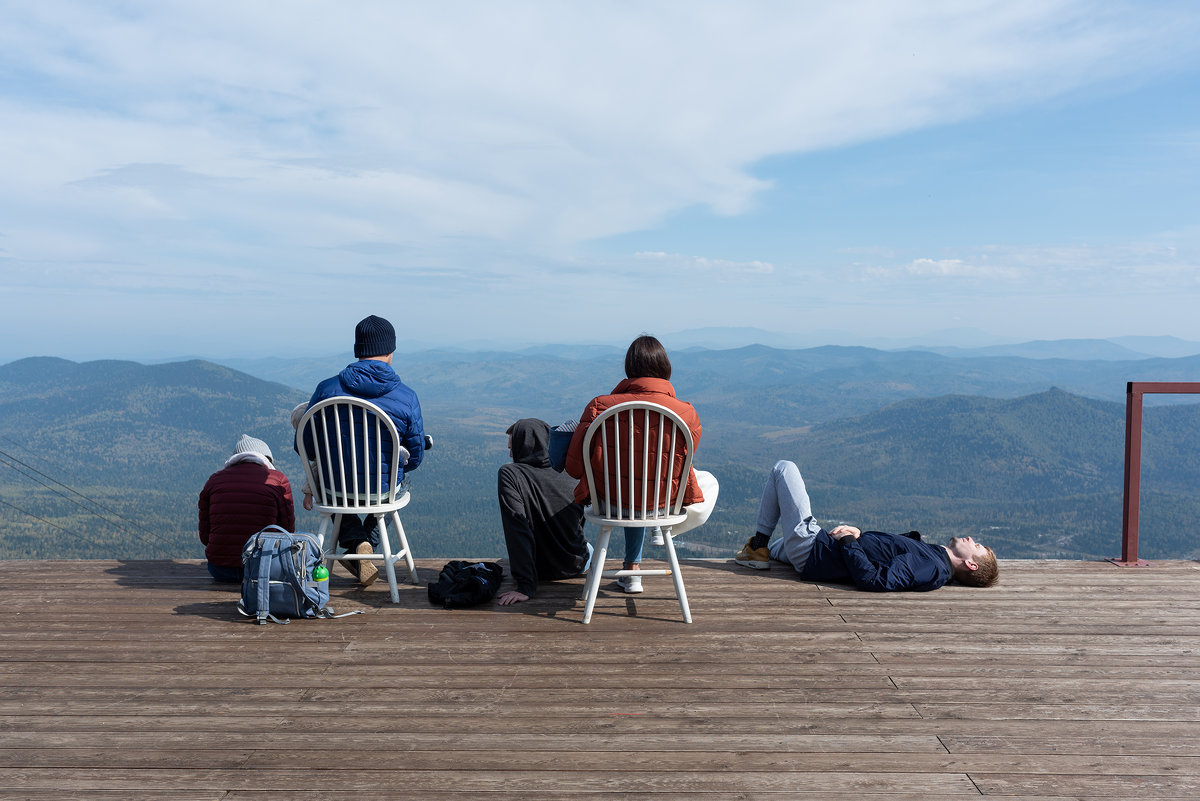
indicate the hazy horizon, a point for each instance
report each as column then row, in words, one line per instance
column 966, row 341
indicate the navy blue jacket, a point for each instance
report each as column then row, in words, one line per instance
column 377, row 382
column 878, row 561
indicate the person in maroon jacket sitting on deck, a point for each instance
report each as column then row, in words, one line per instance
column 237, row 502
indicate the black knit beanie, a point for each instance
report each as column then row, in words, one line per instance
column 374, row 336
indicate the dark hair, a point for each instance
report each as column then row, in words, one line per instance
column 647, row 358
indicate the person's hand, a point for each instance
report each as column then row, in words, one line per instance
column 308, row 501
column 512, row 597
column 845, row 531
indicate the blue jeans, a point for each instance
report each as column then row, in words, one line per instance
column 785, row 503
column 225, row 575
column 635, row 538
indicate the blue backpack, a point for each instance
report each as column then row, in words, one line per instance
column 277, row 577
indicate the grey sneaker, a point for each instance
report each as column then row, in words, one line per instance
column 630, row 584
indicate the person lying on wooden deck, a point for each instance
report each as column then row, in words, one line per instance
column 871, row 560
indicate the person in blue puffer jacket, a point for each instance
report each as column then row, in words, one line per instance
column 372, row 378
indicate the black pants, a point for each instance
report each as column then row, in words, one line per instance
column 354, row 532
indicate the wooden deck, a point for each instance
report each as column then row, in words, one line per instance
column 135, row 680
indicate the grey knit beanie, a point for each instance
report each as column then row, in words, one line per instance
column 248, row 444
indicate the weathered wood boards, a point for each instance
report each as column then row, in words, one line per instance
column 136, row 680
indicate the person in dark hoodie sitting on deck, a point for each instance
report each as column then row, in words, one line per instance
column 871, row 560
column 543, row 525
column 373, row 379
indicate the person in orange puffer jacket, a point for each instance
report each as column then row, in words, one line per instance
column 648, row 378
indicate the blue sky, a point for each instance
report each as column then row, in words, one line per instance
column 250, row 179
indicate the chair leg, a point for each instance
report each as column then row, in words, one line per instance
column 593, row 577
column 405, row 551
column 328, row 551
column 677, row 576
column 389, row 561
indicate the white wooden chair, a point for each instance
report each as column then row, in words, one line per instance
column 346, row 471
column 645, row 449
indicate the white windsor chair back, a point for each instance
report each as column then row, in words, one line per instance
column 348, row 446
column 644, row 461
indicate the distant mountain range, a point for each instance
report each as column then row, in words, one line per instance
column 1121, row 349
column 966, row 342
column 756, row 388
column 714, row 346
column 106, row 458
column 1082, row 349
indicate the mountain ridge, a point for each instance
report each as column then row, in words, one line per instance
column 142, row 439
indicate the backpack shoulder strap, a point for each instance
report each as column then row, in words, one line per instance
column 264, row 591
column 328, row 614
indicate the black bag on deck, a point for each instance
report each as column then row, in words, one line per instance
column 466, row 584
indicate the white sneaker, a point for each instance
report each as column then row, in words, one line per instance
column 656, row 538
column 630, row 584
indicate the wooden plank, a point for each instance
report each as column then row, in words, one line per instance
column 502, row 759
column 494, row 794
column 1184, row 787
column 618, row 705
column 396, row 725
column 628, row 741
column 1125, row 744
column 565, row 781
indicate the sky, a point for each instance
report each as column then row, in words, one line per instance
column 225, row 179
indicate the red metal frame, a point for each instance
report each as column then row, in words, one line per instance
column 1134, row 391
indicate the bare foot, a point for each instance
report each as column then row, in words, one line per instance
column 512, row 597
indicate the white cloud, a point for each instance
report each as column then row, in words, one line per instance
column 959, row 268
column 1111, row 268
column 516, row 120
column 675, row 262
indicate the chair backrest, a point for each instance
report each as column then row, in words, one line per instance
column 644, row 459
column 347, row 446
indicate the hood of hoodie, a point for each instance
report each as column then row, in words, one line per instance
column 369, row 378
column 530, row 442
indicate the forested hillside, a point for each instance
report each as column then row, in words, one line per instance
column 105, row 459
column 1039, row 475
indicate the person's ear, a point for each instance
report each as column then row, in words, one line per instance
column 971, row 564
